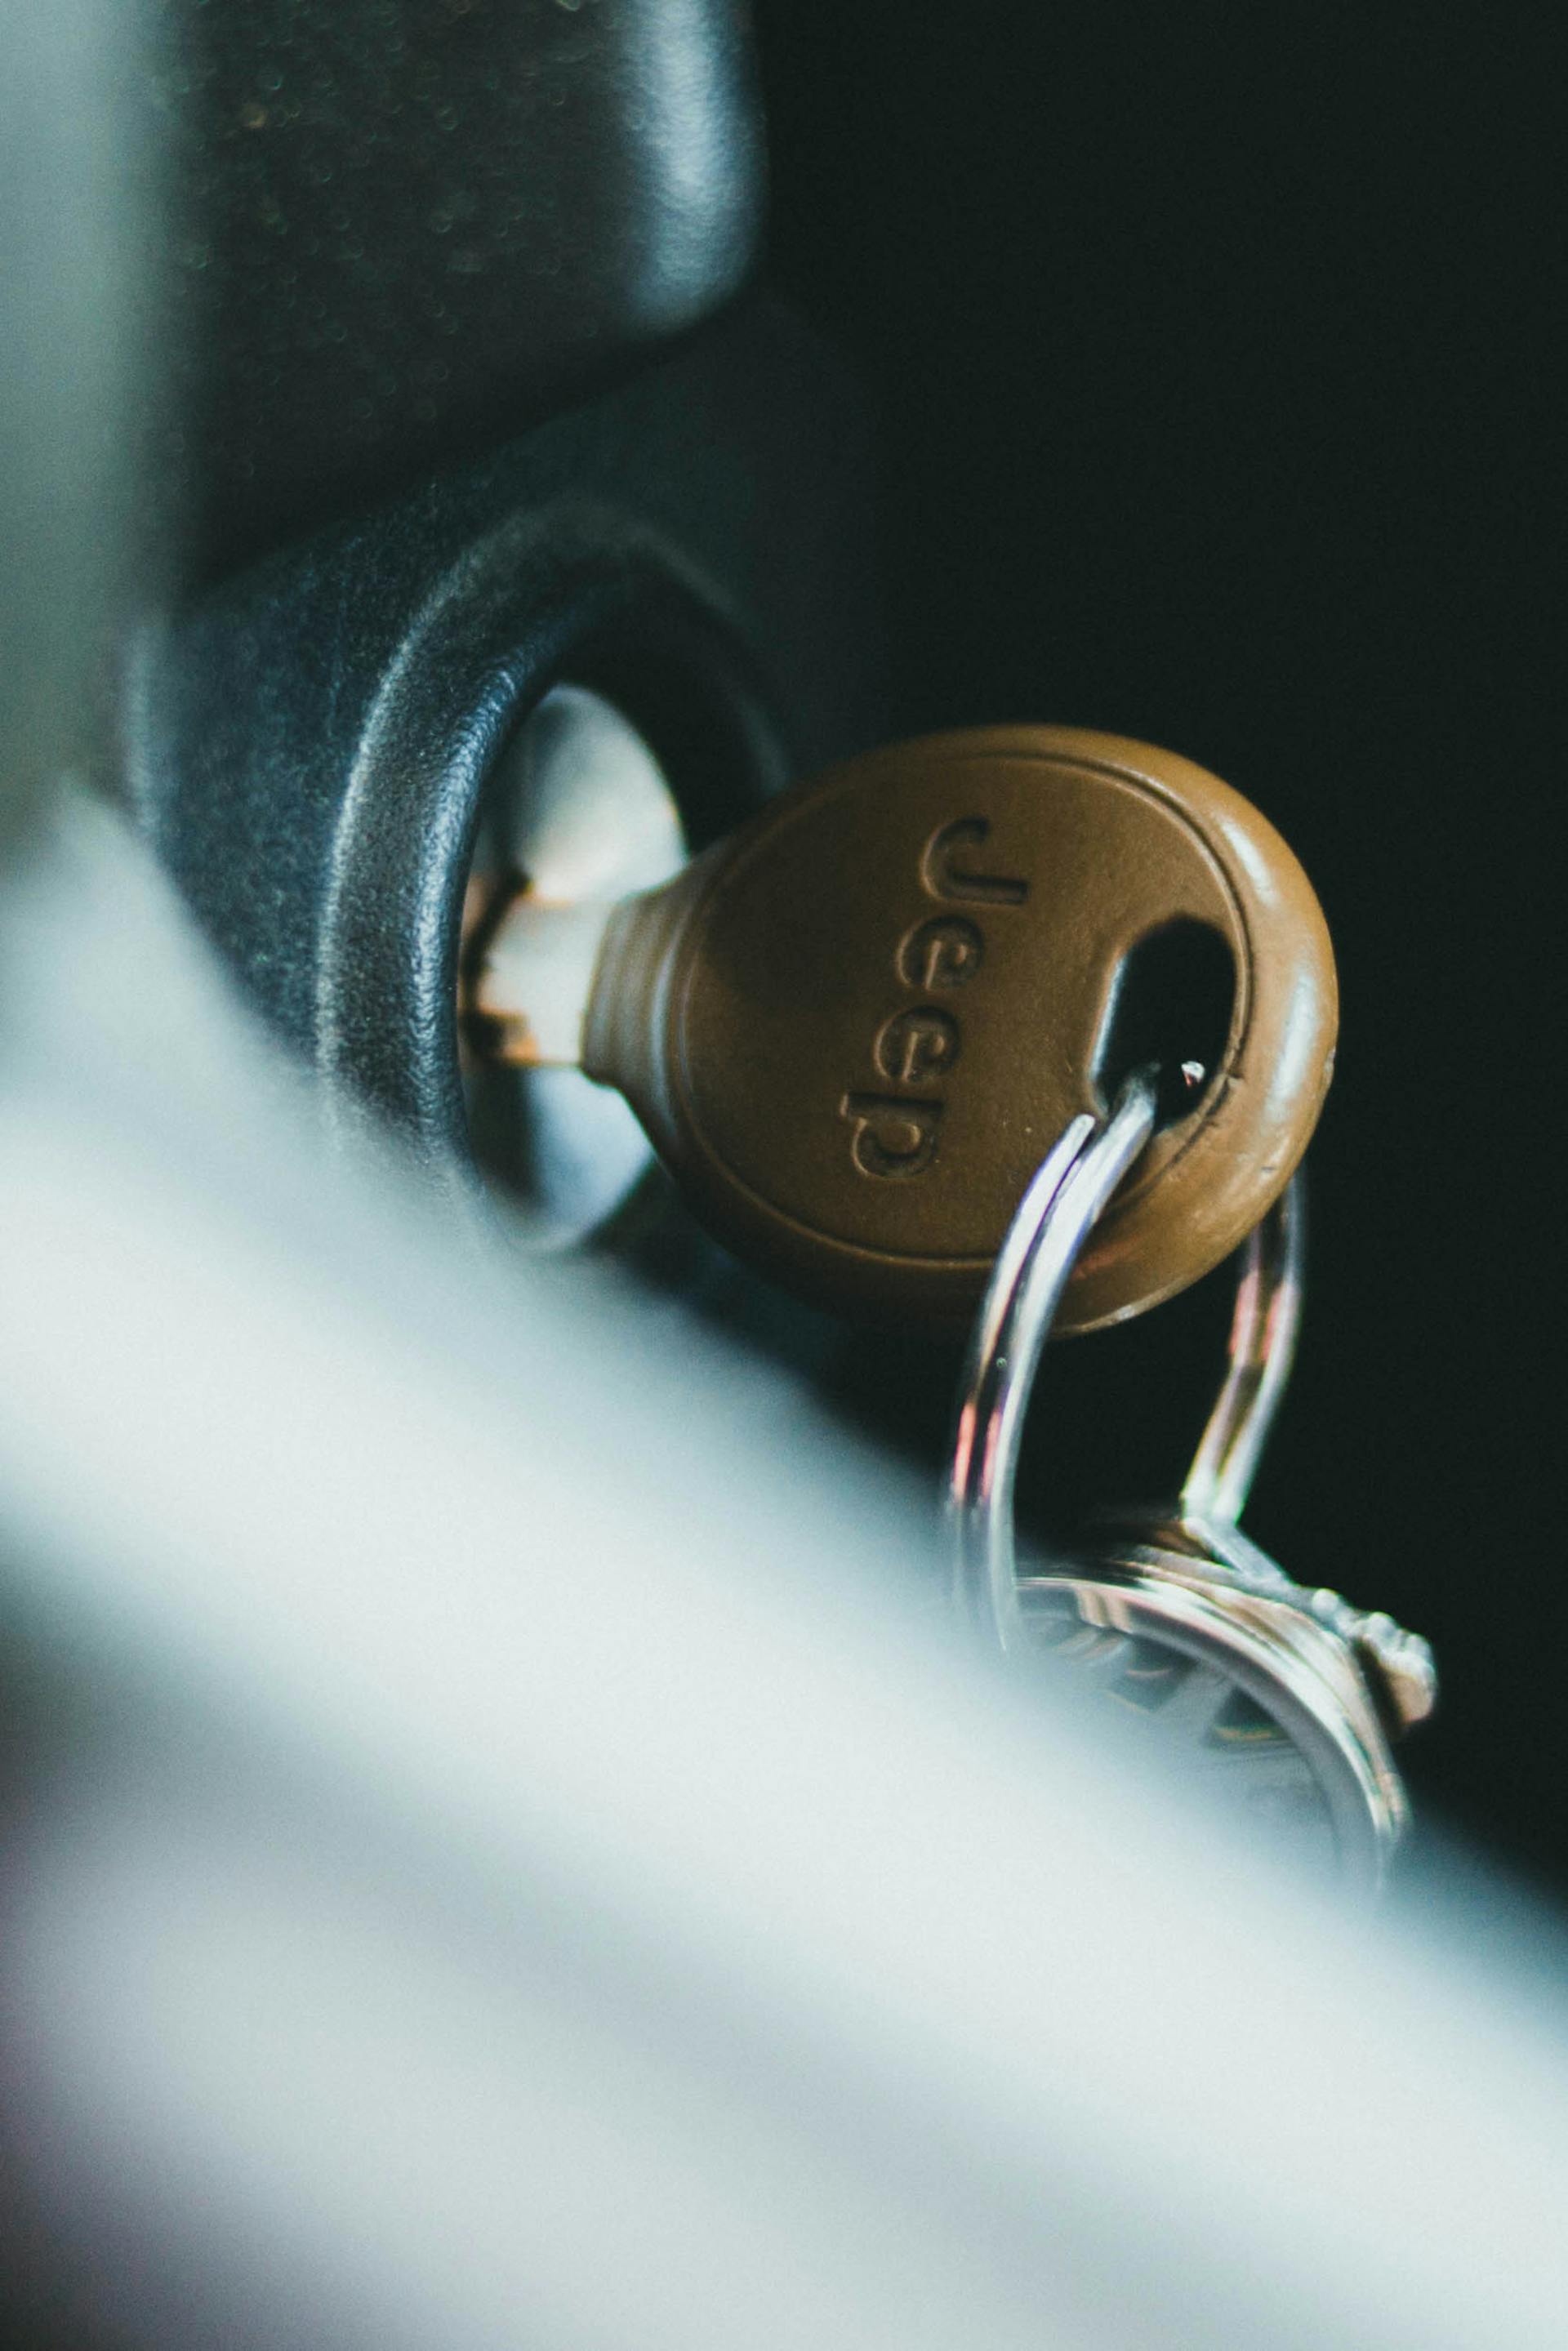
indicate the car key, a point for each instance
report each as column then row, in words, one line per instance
column 1043, row 1019
column 853, row 1029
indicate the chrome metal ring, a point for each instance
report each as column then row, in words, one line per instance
column 1075, row 1184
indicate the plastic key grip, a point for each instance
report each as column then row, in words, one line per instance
column 854, row 1028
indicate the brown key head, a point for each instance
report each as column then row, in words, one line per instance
column 855, row 1027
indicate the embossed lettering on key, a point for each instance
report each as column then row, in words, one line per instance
column 892, row 1139
column 945, row 878
column 914, row 1047
column 942, row 954
column 854, row 1027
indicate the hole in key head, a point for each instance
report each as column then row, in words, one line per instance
column 1171, row 1005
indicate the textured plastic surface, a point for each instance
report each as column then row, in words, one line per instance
column 855, row 1030
column 410, row 228
column 314, row 739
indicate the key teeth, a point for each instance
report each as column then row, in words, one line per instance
column 1403, row 1664
column 1400, row 1665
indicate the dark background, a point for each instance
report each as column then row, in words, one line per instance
column 1215, row 360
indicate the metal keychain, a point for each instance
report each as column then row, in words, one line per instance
column 1285, row 1700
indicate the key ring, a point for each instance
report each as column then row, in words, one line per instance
column 1055, row 1217
column 1286, row 1698
column 1073, row 1186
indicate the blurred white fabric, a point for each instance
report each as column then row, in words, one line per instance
column 510, row 1855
